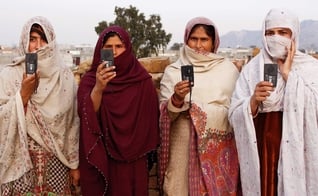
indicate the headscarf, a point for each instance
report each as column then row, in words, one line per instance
column 204, row 21
column 51, row 118
column 297, row 98
column 129, row 109
column 277, row 18
column 200, row 62
column 284, row 19
column 214, row 81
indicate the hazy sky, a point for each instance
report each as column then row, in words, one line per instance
column 74, row 20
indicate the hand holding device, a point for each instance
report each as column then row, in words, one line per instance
column 108, row 56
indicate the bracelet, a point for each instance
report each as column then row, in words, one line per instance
column 176, row 102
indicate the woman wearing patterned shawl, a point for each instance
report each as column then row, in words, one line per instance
column 276, row 128
column 39, row 129
column 198, row 154
column 119, row 112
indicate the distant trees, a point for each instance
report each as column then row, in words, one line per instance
column 147, row 35
column 176, row 46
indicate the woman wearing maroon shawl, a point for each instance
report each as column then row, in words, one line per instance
column 118, row 108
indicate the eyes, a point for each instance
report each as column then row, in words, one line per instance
column 116, row 46
column 281, row 32
column 196, row 39
column 35, row 39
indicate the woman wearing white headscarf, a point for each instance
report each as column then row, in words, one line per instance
column 276, row 128
column 39, row 126
column 198, row 154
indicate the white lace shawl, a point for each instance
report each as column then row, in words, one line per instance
column 298, row 162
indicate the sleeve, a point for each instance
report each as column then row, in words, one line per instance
column 241, row 119
column 167, row 83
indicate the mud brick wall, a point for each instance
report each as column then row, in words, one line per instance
column 155, row 67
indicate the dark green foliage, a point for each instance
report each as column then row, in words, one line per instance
column 147, row 35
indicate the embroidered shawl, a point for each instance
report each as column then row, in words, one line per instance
column 51, row 118
column 214, row 81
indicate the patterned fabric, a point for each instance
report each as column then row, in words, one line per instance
column 48, row 176
column 50, row 119
column 213, row 162
column 210, row 157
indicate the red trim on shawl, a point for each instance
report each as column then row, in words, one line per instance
column 163, row 151
column 194, row 165
column 209, row 172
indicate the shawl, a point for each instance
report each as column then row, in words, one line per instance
column 298, row 99
column 214, row 81
column 126, row 126
column 51, row 118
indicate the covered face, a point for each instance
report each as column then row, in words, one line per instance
column 276, row 45
column 124, row 40
column 46, row 29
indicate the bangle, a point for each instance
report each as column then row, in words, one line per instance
column 176, row 102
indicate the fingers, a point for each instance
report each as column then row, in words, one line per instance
column 29, row 83
column 285, row 65
column 262, row 91
column 182, row 88
column 75, row 177
column 105, row 74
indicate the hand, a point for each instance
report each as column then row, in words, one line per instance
column 75, row 176
column 285, row 64
column 261, row 92
column 181, row 89
column 29, row 85
column 103, row 76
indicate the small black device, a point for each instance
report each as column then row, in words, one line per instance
column 31, row 63
column 108, row 56
column 270, row 73
column 187, row 73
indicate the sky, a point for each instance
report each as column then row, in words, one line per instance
column 74, row 20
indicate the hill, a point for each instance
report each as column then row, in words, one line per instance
column 246, row 38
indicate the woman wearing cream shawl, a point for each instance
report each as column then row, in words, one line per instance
column 278, row 141
column 198, row 154
column 38, row 138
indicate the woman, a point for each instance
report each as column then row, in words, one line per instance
column 276, row 127
column 198, row 154
column 118, row 108
column 38, row 119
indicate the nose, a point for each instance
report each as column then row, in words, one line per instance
column 199, row 44
column 114, row 50
column 38, row 44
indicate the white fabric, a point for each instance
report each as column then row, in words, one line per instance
column 212, row 72
column 278, row 46
column 284, row 19
column 298, row 99
column 51, row 118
